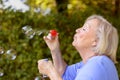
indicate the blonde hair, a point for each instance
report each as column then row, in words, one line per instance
column 107, row 38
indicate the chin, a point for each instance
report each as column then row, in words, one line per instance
column 73, row 43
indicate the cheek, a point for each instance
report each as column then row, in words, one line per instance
column 88, row 40
column 77, row 41
column 84, row 40
column 82, row 37
column 80, row 40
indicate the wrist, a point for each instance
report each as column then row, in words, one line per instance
column 54, row 75
column 55, row 51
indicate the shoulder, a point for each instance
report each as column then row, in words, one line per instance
column 99, row 63
column 94, row 65
column 96, row 68
column 76, row 65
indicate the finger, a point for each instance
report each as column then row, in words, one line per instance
column 50, row 62
column 48, row 37
column 39, row 61
column 57, row 36
column 39, row 70
column 39, row 66
column 45, row 38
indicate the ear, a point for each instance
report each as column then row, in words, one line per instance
column 94, row 43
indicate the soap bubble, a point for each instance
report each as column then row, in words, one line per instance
column 11, row 54
column 28, row 31
column 30, row 34
column 26, row 28
column 40, row 32
column 37, row 78
column 1, row 72
column 1, row 50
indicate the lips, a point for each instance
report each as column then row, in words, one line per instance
column 74, row 40
column 74, row 37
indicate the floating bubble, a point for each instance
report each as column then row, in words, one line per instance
column 11, row 54
column 28, row 31
column 26, row 28
column 37, row 10
column 1, row 72
column 40, row 32
column 37, row 78
column 1, row 50
column 30, row 34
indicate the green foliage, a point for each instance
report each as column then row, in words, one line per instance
column 29, row 51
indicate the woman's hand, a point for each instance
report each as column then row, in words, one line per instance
column 53, row 44
column 45, row 67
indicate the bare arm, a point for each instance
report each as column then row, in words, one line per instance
column 54, row 75
column 58, row 61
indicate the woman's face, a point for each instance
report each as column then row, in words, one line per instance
column 85, row 36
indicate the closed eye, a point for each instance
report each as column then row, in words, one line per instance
column 84, row 29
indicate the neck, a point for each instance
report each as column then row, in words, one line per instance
column 86, row 54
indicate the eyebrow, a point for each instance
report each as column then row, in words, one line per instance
column 87, row 24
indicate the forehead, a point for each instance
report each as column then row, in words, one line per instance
column 92, row 22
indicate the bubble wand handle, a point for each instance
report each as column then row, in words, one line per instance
column 44, row 76
column 52, row 34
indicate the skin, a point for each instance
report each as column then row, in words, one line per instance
column 84, row 40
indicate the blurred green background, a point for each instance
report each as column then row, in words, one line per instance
column 63, row 15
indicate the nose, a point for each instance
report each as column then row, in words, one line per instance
column 78, row 30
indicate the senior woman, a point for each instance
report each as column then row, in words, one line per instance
column 96, row 43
